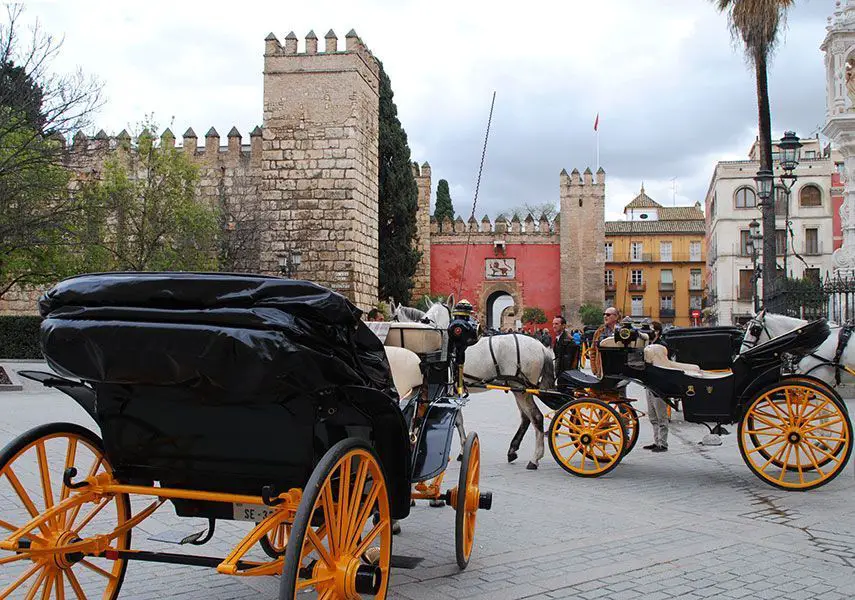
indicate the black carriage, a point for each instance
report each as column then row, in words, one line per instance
column 234, row 398
column 793, row 431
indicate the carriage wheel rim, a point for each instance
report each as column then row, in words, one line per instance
column 586, row 437
column 58, row 575
column 338, row 541
column 795, row 436
column 471, row 498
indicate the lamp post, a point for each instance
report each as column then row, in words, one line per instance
column 754, row 236
column 790, row 153
column 289, row 263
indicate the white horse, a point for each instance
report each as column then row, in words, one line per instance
column 506, row 358
column 819, row 363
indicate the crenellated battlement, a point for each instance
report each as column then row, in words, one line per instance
column 527, row 227
column 353, row 45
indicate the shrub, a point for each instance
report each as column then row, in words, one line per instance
column 19, row 337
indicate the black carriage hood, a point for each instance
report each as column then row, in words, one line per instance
column 249, row 334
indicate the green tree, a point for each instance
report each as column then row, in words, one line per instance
column 155, row 222
column 39, row 109
column 757, row 23
column 533, row 314
column 398, row 202
column 444, row 208
column 591, row 315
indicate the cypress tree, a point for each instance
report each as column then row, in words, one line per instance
column 444, row 207
column 398, row 202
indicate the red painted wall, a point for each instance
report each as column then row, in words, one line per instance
column 836, row 203
column 537, row 274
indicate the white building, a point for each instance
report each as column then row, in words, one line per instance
column 731, row 204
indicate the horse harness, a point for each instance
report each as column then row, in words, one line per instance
column 518, row 377
column 842, row 340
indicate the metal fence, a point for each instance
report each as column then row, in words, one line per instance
column 833, row 299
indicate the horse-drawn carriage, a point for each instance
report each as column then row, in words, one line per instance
column 234, row 398
column 794, row 430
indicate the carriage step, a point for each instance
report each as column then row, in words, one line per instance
column 405, row 562
column 178, row 536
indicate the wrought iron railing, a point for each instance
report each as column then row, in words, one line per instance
column 833, row 299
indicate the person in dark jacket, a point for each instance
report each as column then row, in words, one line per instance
column 563, row 347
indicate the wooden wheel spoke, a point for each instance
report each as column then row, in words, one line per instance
column 330, row 515
column 49, row 584
column 314, row 581
column 778, row 440
column 776, row 457
column 570, row 443
column 24, row 576
column 70, row 456
column 570, row 424
column 372, row 535
column 44, row 473
column 808, row 451
column 8, row 526
column 25, row 498
column 824, row 438
column 97, row 569
column 60, row 587
column 312, row 537
column 784, row 462
column 810, row 416
column 75, row 585
column 39, row 581
column 343, row 498
column 356, row 492
column 14, row 558
column 772, row 424
column 808, row 429
column 362, row 517
column 780, row 413
column 98, row 508
column 307, row 548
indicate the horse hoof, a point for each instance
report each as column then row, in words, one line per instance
column 396, row 528
column 531, row 466
column 459, row 458
column 512, row 456
column 437, row 503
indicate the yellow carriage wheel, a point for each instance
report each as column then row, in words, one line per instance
column 587, row 437
column 466, row 499
column 833, row 447
column 31, row 481
column 795, row 435
column 335, row 546
column 630, row 424
column 276, row 541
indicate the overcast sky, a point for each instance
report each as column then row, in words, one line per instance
column 673, row 93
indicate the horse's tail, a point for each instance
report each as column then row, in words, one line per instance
column 547, row 373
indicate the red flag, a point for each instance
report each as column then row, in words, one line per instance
column 597, row 122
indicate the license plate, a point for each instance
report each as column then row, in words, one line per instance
column 251, row 512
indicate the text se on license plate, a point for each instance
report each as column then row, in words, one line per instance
column 251, row 512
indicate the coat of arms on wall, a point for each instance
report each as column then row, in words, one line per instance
column 500, row 268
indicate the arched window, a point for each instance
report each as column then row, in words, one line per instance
column 745, row 198
column 810, row 195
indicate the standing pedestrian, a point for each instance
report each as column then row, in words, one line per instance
column 657, row 408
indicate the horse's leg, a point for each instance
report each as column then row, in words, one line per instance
column 518, row 436
column 536, row 418
column 461, row 432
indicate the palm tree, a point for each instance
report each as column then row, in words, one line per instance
column 756, row 23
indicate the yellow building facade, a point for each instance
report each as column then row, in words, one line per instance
column 655, row 262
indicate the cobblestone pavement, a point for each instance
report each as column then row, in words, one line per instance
column 690, row 523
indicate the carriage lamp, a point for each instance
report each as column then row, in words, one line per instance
column 790, row 150
column 289, row 263
column 764, row 181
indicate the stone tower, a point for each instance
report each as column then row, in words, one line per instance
column 582, row 240
column 421, row 280
column 319, row 190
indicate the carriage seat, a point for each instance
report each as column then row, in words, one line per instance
column 657, row 356
column 406, row 370
column 416, row 337
column 611, row 342
column 578, row 377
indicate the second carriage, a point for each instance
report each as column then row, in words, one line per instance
column 793, row 431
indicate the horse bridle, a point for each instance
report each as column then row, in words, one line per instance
column 755, row 328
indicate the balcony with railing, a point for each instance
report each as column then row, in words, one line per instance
column 610, row 287
column 637, row 287
column 696, row 286
column 666, row 313
column 649, row 257
column 666, row 286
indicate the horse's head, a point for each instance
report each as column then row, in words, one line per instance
column 439, row 314
column 755, row 331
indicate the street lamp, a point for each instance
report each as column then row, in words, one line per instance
column 764, row 180
column 790, row 153
column 754, row 236
column 289, row 263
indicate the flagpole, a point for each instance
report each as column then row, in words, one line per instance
column 598, row 149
